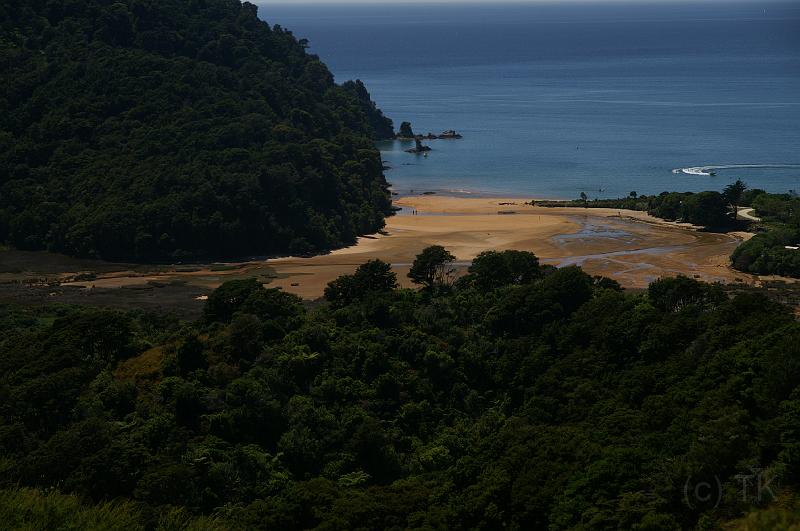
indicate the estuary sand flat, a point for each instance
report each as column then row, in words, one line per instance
column 630, row 247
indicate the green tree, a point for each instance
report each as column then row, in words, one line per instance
column 229, row 298
column 492, row 269
column 733, row 193
column 676, row 293
column 246, row 336
column 709, row 209
column 369, row 278
column 432, row 267
column 375, row 275
column 191, row 354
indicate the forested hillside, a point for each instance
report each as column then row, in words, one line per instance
column 161, row 130
column 521, row 397
column 774, row 250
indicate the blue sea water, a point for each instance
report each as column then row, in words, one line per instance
column 558, row 99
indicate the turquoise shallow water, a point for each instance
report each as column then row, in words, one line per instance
column 555, row 100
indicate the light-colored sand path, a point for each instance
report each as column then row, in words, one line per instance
column 746, row 213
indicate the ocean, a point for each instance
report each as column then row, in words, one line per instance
column 557, row 99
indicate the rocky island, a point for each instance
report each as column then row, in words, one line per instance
column 419, row 147
column 450, row 134
column 407, row 133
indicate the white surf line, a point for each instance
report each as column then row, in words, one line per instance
column 707, row 170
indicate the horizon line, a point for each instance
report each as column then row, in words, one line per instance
column 387, row 3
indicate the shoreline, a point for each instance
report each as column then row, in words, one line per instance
column 631, row 247
column 403, row 193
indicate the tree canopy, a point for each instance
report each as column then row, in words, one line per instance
column 547, row 399
column 370, row 279
column 734, row 192
column 774, row 249
column 708, row 208
column 170, row 130
column 492, row 269
column 432, row 267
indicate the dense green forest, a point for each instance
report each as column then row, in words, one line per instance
column 162, row 130
column 766, row 253
column 710, row 209
column 519, row 396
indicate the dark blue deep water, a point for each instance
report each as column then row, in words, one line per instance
column 554, row 100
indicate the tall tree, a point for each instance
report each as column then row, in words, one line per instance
column 493, row 269
column 370, row 277
column 432, row 267
column 733, row 194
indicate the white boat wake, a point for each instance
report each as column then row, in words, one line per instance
column 711, row 170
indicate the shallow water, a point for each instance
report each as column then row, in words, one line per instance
column 590, row 232
column 649, row 251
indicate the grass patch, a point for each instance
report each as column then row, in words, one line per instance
column 30, row 510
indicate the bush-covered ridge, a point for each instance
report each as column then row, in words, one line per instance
column 157, row 130
column 519, row 397
column 710, row 209
column 774, row 250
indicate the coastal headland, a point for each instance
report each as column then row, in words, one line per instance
column 630, row 247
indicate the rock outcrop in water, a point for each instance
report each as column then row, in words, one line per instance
column 419, row 148
column 450, row 134
column 406, row 131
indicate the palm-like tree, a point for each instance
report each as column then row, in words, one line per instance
column 733, row 194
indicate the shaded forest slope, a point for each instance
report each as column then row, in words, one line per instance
column 170, row 130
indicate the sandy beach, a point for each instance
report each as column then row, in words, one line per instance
column 630, row 247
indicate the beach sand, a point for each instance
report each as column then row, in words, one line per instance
column 630, row 247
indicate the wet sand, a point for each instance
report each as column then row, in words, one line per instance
column 630, row 247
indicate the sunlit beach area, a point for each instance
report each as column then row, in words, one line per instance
column 632, row 247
